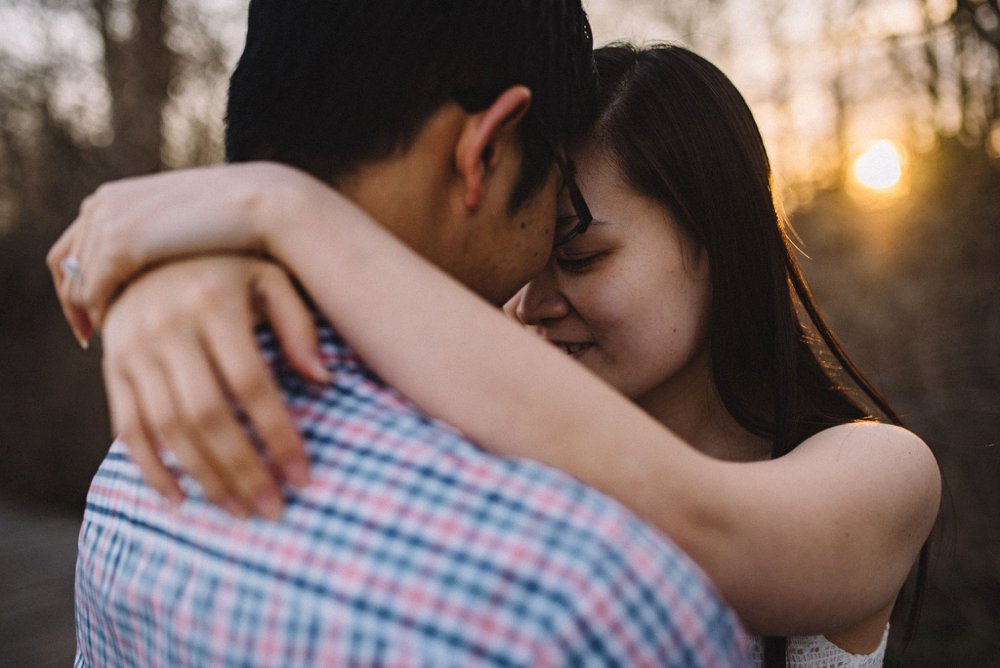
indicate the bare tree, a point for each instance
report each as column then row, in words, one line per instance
column 53, row 152
column 139, row 67
column 955, row 63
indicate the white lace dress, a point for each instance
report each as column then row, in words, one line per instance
column 818, row 652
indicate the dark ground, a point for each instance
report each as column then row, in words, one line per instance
column 37, row 554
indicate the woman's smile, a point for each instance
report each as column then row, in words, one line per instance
column 573, row 349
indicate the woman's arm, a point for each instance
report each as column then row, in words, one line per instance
column 809, row 543
column 812, row 542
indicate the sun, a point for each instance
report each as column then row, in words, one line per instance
column 880, row 167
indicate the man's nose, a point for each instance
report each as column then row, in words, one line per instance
column 541, row 300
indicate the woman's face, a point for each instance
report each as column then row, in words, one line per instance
column 629, row 298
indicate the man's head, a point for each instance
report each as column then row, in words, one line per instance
column 430, row 102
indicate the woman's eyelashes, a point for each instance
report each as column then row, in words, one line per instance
column 577, row 262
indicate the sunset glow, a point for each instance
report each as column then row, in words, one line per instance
column 879, row 167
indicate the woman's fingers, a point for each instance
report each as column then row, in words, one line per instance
column 128, row 426
column 248, row 378
column 124, row 350
column 79, row 322
column 99, row 277
column 66, row 271
column 293, row 323
column 160, row 417
column 206, row 416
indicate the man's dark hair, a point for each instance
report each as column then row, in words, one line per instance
column 326, row 85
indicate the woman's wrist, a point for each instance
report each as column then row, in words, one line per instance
column 296, row 213
column 277, row 199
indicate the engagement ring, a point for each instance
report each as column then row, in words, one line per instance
column 71, row 267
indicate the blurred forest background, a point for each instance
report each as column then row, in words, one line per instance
column 909, row 276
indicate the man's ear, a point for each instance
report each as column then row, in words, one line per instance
column 475, row 152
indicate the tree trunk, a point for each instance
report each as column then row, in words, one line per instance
column 139, row 70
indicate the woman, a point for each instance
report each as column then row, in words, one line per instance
column 682, row 294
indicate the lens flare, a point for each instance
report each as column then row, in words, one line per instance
column 880, row 167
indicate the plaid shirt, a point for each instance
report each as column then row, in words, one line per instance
column 410, row 547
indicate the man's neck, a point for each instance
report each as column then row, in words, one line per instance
column 408, row 192
column 384, row 194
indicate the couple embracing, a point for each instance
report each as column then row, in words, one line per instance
column 642, row 456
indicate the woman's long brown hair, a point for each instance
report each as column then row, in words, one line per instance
column 683, row 135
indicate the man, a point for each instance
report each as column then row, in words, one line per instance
column 410, row 546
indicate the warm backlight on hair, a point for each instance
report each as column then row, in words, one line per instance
column 879, row 167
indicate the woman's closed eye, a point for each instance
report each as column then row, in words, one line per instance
column 578, row 262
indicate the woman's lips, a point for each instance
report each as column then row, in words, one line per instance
column 572, row 349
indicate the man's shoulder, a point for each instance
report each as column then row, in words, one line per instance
column 360, row 417
column 408, row 538
column 582, row 562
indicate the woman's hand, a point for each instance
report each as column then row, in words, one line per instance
column 179, row 348
column 127, row 225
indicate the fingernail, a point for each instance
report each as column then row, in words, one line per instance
column 320, row 373
column 232, row 507
column 84, row 343
column 270, row 506
column 174, row 497
column 297, row 472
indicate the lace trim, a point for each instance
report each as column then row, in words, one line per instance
column 818, row 652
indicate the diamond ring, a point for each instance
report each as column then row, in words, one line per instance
column 70, row 266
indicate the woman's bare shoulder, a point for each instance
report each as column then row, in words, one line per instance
column 876, row 443
column 890, row 466
column 849, row 508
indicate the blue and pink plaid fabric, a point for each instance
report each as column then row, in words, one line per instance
column 411, row 547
